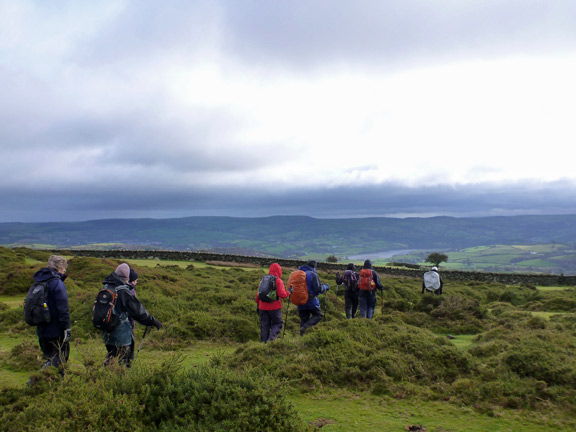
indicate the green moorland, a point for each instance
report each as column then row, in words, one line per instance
column 482, row 357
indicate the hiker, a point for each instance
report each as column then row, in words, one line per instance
column 432, row 282
column 270, row 312
column 368, row 283
column 310, row 313
column 54, row 337
column 350, row 280
column 132, row 281
column 119, row 340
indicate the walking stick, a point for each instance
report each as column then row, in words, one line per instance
column 326, row 288
column 286, row 320
column 141, row 341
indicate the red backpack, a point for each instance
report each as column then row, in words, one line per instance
column 366, row 281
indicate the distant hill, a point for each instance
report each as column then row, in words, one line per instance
column 295, row 236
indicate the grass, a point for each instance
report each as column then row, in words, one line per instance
column 198, row 353
column 463, row 341
column 13, row 301
column 553, row 288
column 545, row 315
column 354, row 412
column 478, row 381
column 181, row 264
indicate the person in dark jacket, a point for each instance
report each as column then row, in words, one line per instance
column 311, row 313
column 54, row 337
column 132, row 281
column 271, row 313
column 118, row 341
column 367, row 298
column 350, row 280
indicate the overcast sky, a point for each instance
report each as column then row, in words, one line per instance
column 326, row 108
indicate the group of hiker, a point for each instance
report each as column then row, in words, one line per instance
column 117, row 308
column 359, row 294
column 115, row 312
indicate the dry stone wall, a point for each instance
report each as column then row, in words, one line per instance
column 447, row 275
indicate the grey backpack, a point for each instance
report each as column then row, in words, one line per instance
column 431, row 280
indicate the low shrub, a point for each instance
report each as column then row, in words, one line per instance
column 359, row 353
column 24, row 357
column 141, row 399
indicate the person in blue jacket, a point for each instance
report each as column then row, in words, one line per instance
column 311, row 313
column 54, row 337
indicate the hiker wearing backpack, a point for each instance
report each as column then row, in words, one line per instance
column 126, row 307
column 432, row 282
column 310, row 313
column 350, row 280
column 368, row 283
column 269, row 297
column 132, row 281
column 54, row 334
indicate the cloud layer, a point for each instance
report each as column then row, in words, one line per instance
column 127, row 109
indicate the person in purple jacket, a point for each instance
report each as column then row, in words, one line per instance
column 54, row 337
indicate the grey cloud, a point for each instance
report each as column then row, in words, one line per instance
column 376, row 32
column 159, row 201
column 147, row 28
column 321, row 33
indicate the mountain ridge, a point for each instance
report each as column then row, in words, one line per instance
column 291, row 236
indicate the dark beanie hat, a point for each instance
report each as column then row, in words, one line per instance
column 367, row 264
column 351, row 266
column 311, row 263
column 133, row 275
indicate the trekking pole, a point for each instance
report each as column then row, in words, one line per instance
column 141, row 341
column 286, row 320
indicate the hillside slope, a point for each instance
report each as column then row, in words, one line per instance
column 287, row 236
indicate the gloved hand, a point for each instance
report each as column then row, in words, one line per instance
column 326, row 287
column 67, row 335
column 290, row 290
column 157, row 324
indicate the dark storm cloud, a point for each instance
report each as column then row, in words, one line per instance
column 75, row 204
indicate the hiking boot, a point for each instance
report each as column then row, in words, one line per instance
column 302, row 331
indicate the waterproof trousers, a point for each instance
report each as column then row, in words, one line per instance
column 270, row 324
column 309, row 318
column 55, row 350
column 367, row 303
column 351, row 303
column 122, row 354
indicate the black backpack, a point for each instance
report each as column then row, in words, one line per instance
column 267, row 289
column 36, row 310
column 105, row 315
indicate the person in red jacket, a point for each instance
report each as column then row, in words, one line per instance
column 270, row 313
